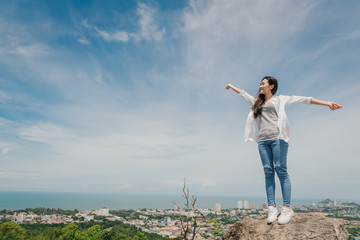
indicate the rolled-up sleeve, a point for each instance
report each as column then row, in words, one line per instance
column 296, row 99
column 250, row 99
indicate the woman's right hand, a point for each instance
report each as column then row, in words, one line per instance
column 227, row 87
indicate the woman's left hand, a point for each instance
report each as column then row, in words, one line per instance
column 333, row 106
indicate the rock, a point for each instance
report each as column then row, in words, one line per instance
column 303, row 226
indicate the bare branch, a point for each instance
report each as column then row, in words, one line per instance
column 189, row 222
column 181, row 221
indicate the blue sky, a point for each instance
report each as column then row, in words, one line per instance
column 128, row 96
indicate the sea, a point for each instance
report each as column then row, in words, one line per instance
column 14, row 200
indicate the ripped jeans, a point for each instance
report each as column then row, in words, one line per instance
column 273, row 154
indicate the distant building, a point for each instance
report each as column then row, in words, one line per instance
column 217, row 207
column 21, row 216
column 167, row 220
column 88, row 218
column 246, row 205
column 240, row 205
column 104, row 211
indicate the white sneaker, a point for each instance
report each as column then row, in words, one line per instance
column 285, row 215
column 273, row 213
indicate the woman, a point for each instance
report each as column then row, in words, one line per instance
column 267, row 124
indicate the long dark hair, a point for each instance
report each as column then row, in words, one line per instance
column 260, row 98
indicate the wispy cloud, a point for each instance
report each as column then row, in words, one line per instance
column 118, row 36
column 31, row 50
column 336, row 40
column 3, row 96
column 99, row 77
column 126, row 187
column 205, row 182
column 84, row 41
column 148, row 27
column 85, row 23
column 4, row 150
column 45, row 133
column 240, row 36
column 11, row 175
column 172, row 183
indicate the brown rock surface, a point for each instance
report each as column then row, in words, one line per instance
column 303, row 226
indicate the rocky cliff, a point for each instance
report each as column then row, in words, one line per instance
column 303, row 226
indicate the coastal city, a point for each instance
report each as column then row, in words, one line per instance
column 212, row 223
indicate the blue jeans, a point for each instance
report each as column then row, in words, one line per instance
column 273, row 154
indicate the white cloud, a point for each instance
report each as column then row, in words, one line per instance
column 99, row 77
column 207, row 182
column 126, row 187
column 85, row 23
column 118, row 36
column 3, row 96
column 84, row 41
column 235, row 39
column 8, row 174
column 337, row 40
column 148, row 27
column 4, row 150
column 31, row 50
column 173, row 183
column 45, row 133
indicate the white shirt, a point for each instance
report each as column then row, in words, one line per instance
column 280, row 102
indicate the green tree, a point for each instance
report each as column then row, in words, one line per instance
column 52, row 233
column 12, row 231
column 71, row 232
column 217, row 228
column 94, row 232
column 32, row 234
column 140, row 236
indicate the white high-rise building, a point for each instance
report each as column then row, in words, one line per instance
column 246, row 205
column 240, row 205
column 217, row 207
column 104, row 211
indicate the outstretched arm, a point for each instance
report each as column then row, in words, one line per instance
column 331, row 105
column 250, row 99
column 227, row 87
